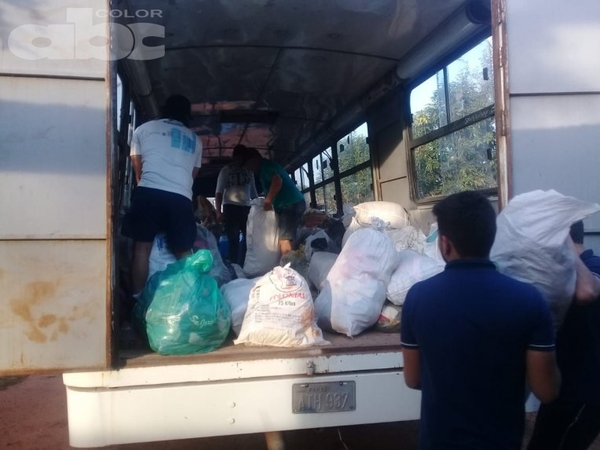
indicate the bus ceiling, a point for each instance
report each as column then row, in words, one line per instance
column 288, row 76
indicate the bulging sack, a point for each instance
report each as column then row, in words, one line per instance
column 353, row 296
column 393, row 216
column 262, row 240
column 184, row 309
column 319, row 267
column 237, row 295
column 412, row 268
column 161, row 256
column 280, row 312
column 532, row 244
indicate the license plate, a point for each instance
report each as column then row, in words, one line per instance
column 336, row 396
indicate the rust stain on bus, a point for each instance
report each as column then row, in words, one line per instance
column 34, row 294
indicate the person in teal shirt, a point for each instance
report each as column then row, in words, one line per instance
column 281, row 195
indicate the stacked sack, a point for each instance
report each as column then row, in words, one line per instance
column 280, row 312
column 354, row 293
column 532, row 244
column 181, row 310
column 262, row 240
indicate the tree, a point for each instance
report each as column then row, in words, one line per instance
column 461, row 160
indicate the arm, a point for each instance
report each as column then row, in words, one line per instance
column 543, row 375
column 410, row 347
column 587, row 286
column 219, row 191
column 218, row 205
column 136, row 163
column 276, row 183
column 412, row 367
column 195, row 172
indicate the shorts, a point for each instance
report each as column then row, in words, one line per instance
column 154, row 211
column 290, row 218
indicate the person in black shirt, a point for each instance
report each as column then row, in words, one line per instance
column 572, row 422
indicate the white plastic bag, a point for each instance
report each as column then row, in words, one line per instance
column 160, row 255
column 206, row 240
column 280, row 312
column 407, row 238
column 262, row 240
column 412, row 268
column 531, row 244
column 393, row 216
column 430, row 246
column 237, row 294
column 319, row 267
column 353, row 296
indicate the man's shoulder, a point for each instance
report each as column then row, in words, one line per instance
column 591, row 261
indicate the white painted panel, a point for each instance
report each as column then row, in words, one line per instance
column 52, row 305
column 556, row 145
column 397, row 191
column 71, row 52
column 100, row 417
column 553, row 45
column 52, row 158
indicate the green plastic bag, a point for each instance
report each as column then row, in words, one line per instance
column 183, row 308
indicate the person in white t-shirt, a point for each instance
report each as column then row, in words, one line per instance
column 166, row 157
column 235, row 189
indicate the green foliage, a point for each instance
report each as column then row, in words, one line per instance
column 457, row 161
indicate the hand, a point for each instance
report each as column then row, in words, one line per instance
column 220, row 217
column 268, row 206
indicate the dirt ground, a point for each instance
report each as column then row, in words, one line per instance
column 33, row 414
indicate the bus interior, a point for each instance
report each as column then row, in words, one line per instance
column 359, row 100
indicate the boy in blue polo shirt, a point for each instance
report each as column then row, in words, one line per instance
column 472, row 337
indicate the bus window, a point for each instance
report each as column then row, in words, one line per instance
column 354, row 159
column 453, row 131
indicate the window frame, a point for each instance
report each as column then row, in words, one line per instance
column 331, row 154
column 445, row 130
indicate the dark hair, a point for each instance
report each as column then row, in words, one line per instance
column 178, row 107
column 239, row 150
column 468, row 220
column 576, row 232
column 250, row 153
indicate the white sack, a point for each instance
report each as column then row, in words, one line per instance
column 280, row 312
column 161, row 256
column 319, row 267
column 407, row 238
column 532, row 244
column 262, row 240
column 430, row 246
column 353, row 296
column 412, row 268
column 239, row 272
column 354, row 225
column 237, row 294
column 393, row 216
